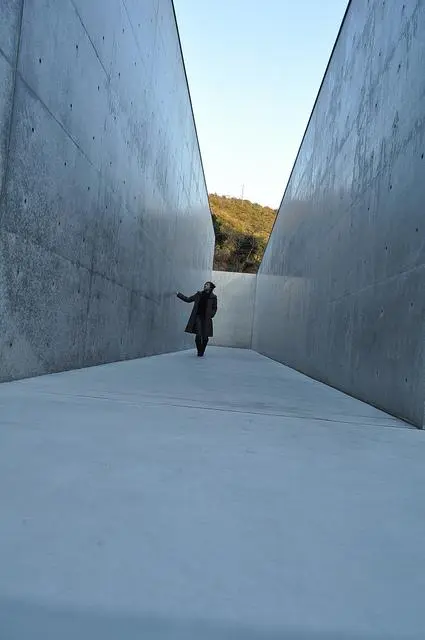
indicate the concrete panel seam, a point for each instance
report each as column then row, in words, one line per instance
column 9, row 134
column 124, row 4
column 86, row 323
column 403, row 425
column 52, row 115
column 91, row 276
column 254, row 312
column 89, row 38
column 376, row 283
column 344, row 391
column 6, row 57
column 127, row 13
column 77, row 264
column 39, row 245
column 91, row 271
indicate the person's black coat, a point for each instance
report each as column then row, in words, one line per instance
column 211, row 310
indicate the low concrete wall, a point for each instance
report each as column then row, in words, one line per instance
column 236, row 298
column 103, row 202
column 340, row 292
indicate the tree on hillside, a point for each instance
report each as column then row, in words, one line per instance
column 242, row 229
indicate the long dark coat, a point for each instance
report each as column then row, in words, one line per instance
column 211, row 310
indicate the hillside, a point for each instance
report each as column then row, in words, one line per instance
column 242, row 229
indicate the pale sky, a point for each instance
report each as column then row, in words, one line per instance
column 254, row 70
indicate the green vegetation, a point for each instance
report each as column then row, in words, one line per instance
column 242, row 229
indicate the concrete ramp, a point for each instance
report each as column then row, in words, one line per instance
column 225, row 497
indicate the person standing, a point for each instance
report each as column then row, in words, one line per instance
column 204, row 310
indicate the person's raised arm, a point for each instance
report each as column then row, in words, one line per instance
column 185, row 298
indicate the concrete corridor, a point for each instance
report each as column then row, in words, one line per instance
column 225, row 497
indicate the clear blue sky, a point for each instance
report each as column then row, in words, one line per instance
column 254, row 70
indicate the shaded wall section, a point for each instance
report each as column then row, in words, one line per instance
column 235, row 299
column 341, row 287
column 103, row 208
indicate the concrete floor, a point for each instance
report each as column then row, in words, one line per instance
column 225, row 497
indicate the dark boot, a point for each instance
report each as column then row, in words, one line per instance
column 199, row 345
column 204, row 345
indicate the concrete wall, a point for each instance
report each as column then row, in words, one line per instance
column 103, row 204
column 236, row 298
column 341, row 290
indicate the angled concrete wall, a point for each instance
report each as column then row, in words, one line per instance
column 103, row 204
column 236, row 298
column 341, row 289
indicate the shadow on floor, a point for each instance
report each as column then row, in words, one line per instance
column 21, row 620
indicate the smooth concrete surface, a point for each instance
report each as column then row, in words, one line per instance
column 236, row 298
column 225, row 497
column 341, row 288
column 103, row 205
